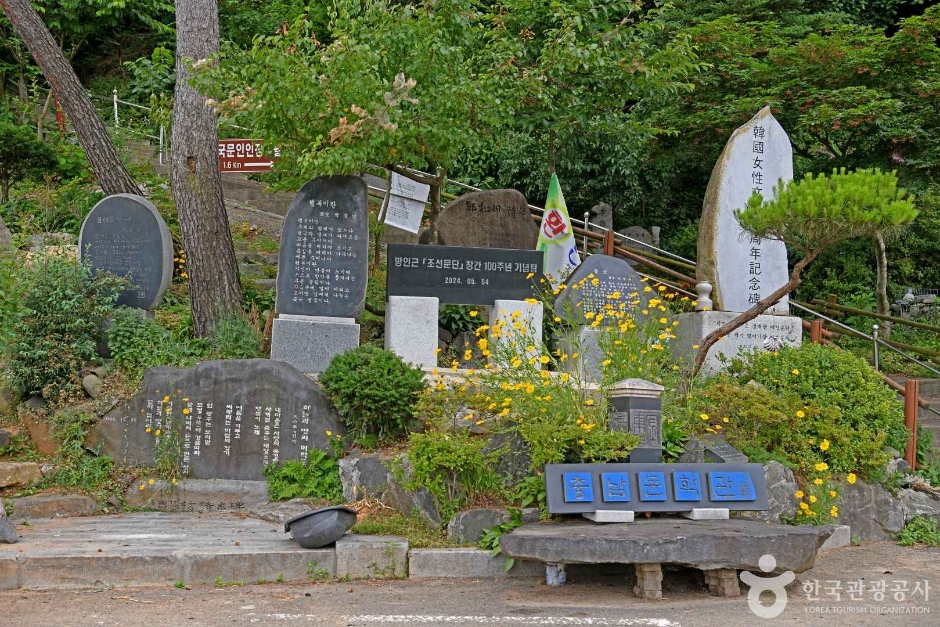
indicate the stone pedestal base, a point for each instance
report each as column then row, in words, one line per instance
column 723, row 582
column 610, row 516
column 529, row 331
column 310, row 343
column 765, row 332
column 587, row 367
column 707, row 513
column 411, row 329
column 649, row 581
column 555, row 575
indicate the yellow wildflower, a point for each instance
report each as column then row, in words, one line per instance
column 795, row 371
column 157, row 432
column 818, row 481
column 581, row 442
column 798, row 494
column 801, row 414
column 589, row 402
column 851, row 477
column 473, row 314
column 812, row 498
column 150, row 482
column 832, row 494
column 821, row 466
column 824, row 445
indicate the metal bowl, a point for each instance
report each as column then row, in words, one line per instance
column 321, row 526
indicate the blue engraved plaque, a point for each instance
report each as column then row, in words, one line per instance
column 579, row 487
column 652, row 486
column 616, row 487
column 731, row 486
column 687, row 486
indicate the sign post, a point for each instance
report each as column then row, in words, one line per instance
column 244, row 156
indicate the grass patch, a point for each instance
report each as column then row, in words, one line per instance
column 419, row 533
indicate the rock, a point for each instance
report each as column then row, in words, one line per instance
column 872, row 512
column 489, row 219
column 443, row 335
column 602, row 215
column 19, row 474
column 6, row 237
column 251, row 271
column 36, row 402
column 42, row 240
column 470, row 525
column 703, row 544
column 896, row 465
column 52, row 506
column 920, row 504
column 893, row 452
column 8, row 534
column 99, row 371
column 5, row 437
column 280, row 512
column 370, row 475
column 515, row 460
column 694, row 452
column 781, row 486
column 40, row 433
column 236, row 416
column 93, row 385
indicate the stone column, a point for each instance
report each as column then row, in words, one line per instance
column 521, row 322
column 723, row 582
column 411, row 329
column 649, row 581
column 636, row 406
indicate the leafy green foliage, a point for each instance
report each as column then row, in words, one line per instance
column 489, row 541
column 21, row 155
column 419, row 533
column 457, row 318
column 152, row 75
column 674, row 439
column 318, row 478
column 374, row 391
column 921, row 531
column 138, row 343
column 817, row 211
column 63, row 305
column 453, row 467
column 234, row 337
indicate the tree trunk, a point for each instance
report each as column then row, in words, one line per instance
column 4, row 191
column 712, row 338
column 882, row 305
column 41, row 118
column 89, row 127
column 197, row 184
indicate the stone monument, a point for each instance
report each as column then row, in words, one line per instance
column 735, row 269
column 490, row 219
column 322, row 273
column 602, row 215
column 618, row 288
column 743, row 268
column 225, row 419
column 636, row 406
column 125, row 235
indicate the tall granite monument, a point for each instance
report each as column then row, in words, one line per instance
column 742, row 268
column 125, row 235
column 322, row 273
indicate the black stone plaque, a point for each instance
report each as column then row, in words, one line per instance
column 643, row 417
column 467, row 276
column 598, row 282
column 579, row 488
column 223, row 419
column 324, row 256
column 717, row 450
column 125, row 235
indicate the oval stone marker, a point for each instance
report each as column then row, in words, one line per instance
column 617, row 285
column 492, row 219
column 125, row 235
column 742, row 268
column 324, row 256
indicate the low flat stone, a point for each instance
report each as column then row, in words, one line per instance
column 841, row 537
column 19, row 474
column 707, row 513
column 609, row 516
column 466, row 563
column 707, row 544
column 920, row 504
column 470, row 525
column 51, row 506
column 371, row 557
column 199, row 495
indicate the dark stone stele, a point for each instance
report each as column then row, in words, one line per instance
column 705, row 544
column 497, row 218
column 224, row 419
column 125, row 235
column 613, row 275
column 460, row 275
column 643, row 417
column 324, row 257
column 654, row 487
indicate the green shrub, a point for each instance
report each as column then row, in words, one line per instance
column 234, row 337
column 920, row 531
column 319, row 478
column 138, row 343
column 58, row 325
column 833, row 380
column 453, row 467
column 375, row 392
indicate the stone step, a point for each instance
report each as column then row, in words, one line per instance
column 256, row 271
column 928, row 387
column 19, row 474
column 245, row 256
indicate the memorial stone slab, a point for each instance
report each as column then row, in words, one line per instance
column 598, row 282
column 654, row 487
column 324, row 255
column 718, row 450
column 224, row 419
column 602, row 215
column 125, row 235
column 741, row 267
column 636, row 407
column 465, row 276
column 490, row 219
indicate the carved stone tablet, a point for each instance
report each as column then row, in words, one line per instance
column 492, row 219
column 224, row 419
column 616, row 284
column 324, row 256
column 125, row 235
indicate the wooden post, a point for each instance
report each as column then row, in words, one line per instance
column 609, row 243
column 911, row 393
column 816, row 332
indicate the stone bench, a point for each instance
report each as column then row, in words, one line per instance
column 720, row 548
